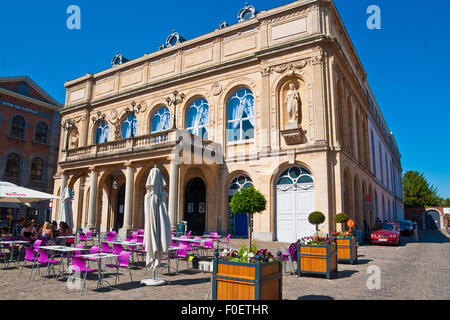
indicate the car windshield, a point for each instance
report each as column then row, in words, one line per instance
column 384, row 226
column 405, row 223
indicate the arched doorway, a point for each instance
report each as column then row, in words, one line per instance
column 195, row 206
column 432, row 220
column 238, row 223
column 295, row 200
column 118, row 223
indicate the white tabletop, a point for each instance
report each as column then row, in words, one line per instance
column 61, row 248
column 99, row 255
column 187, row 239
column 218, row 236
column 14, row 242
column 125, row 243
column 66, row 237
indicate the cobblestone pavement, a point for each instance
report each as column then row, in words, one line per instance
column 411, row 271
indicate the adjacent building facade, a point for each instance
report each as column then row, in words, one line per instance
column 29, row 131
column 278, row 101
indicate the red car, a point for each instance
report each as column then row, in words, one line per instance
column 387, row 232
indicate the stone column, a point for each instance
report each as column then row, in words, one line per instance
column 128, row 207
column 173, row 193
column 92, row 199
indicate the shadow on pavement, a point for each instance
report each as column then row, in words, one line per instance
column 187, row 282
column 432, row 236
column 315, row 297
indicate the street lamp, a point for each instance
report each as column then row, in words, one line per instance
column 135, row 109
column 175, row 101
column 68, row 125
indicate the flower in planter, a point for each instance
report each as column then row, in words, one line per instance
column 243, row 255
column 316, row 240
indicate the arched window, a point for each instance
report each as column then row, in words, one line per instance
column 18, row 127
column 40, row 134
column 296, row 176
column 240, row 116
column 197, row 117
column 129, row 126
column 12, row 166
column 36, row 169
column 160, row 120
column 102, row 132
column 237, row 223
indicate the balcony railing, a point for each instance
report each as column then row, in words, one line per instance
column 147, row 142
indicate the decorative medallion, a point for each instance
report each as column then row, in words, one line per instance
column 216, row 89
column 246, row 13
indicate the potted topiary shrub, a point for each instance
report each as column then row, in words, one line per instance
column 340, row 219
column 251, row 201
column 316, row 254
column 247, row 273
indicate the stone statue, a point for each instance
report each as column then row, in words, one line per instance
column 74, row 140
column 292, row 102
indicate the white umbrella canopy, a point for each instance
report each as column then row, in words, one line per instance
column 157, row 236
column 10, row 192
column 65, row 210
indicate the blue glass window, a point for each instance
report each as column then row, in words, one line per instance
column 197, row 117
column 295, row 175
column 160, row 120
column 240, row 116
column 102, row 132
column 129, row 124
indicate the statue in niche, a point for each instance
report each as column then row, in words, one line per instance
column 293, row 104
column 74, row 137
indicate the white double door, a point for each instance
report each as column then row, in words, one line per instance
column 293, row 206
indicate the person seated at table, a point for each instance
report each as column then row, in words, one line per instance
column 46, row 231
column 64, row 229
column 17, row 229
column 28, row 231
column 54, row 227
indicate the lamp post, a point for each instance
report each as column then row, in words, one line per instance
column 68, row 125
column 175, row 101
column 135, row 109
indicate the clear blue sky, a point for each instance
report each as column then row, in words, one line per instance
column 407, row 61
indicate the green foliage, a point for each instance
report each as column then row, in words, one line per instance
column 418, row 192
column 341, row 218
column 248, row 200
column 316, row 218
column 446, row 202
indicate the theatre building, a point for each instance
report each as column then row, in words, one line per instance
column 277, row 100
column 29, row 142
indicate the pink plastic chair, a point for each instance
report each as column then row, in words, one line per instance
column 111, row 236
column 78, row 252
column 43, row 260
column 30, row 256
column 117, row 249
column 208, row 244
column 123, row 261
column 106, row 248
column 79, row 267
column 93, row 250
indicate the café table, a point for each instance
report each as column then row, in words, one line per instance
column 13, row 244
column 101, row 272
column 62, row 250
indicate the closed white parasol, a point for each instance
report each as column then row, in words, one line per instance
column 157, row 236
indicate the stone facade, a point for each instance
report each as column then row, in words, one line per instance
column 301, row 46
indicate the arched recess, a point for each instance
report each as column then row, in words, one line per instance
column 350, row 131
column 141, row 176
column 357, row 206
column 78, row 183
column 339, row 110
column 371, row 212
column 283, row 86
column 364, row 217
column 348, row 194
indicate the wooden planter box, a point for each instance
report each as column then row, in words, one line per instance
column 347, row 250
column 246, row 281
column 313, row 259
